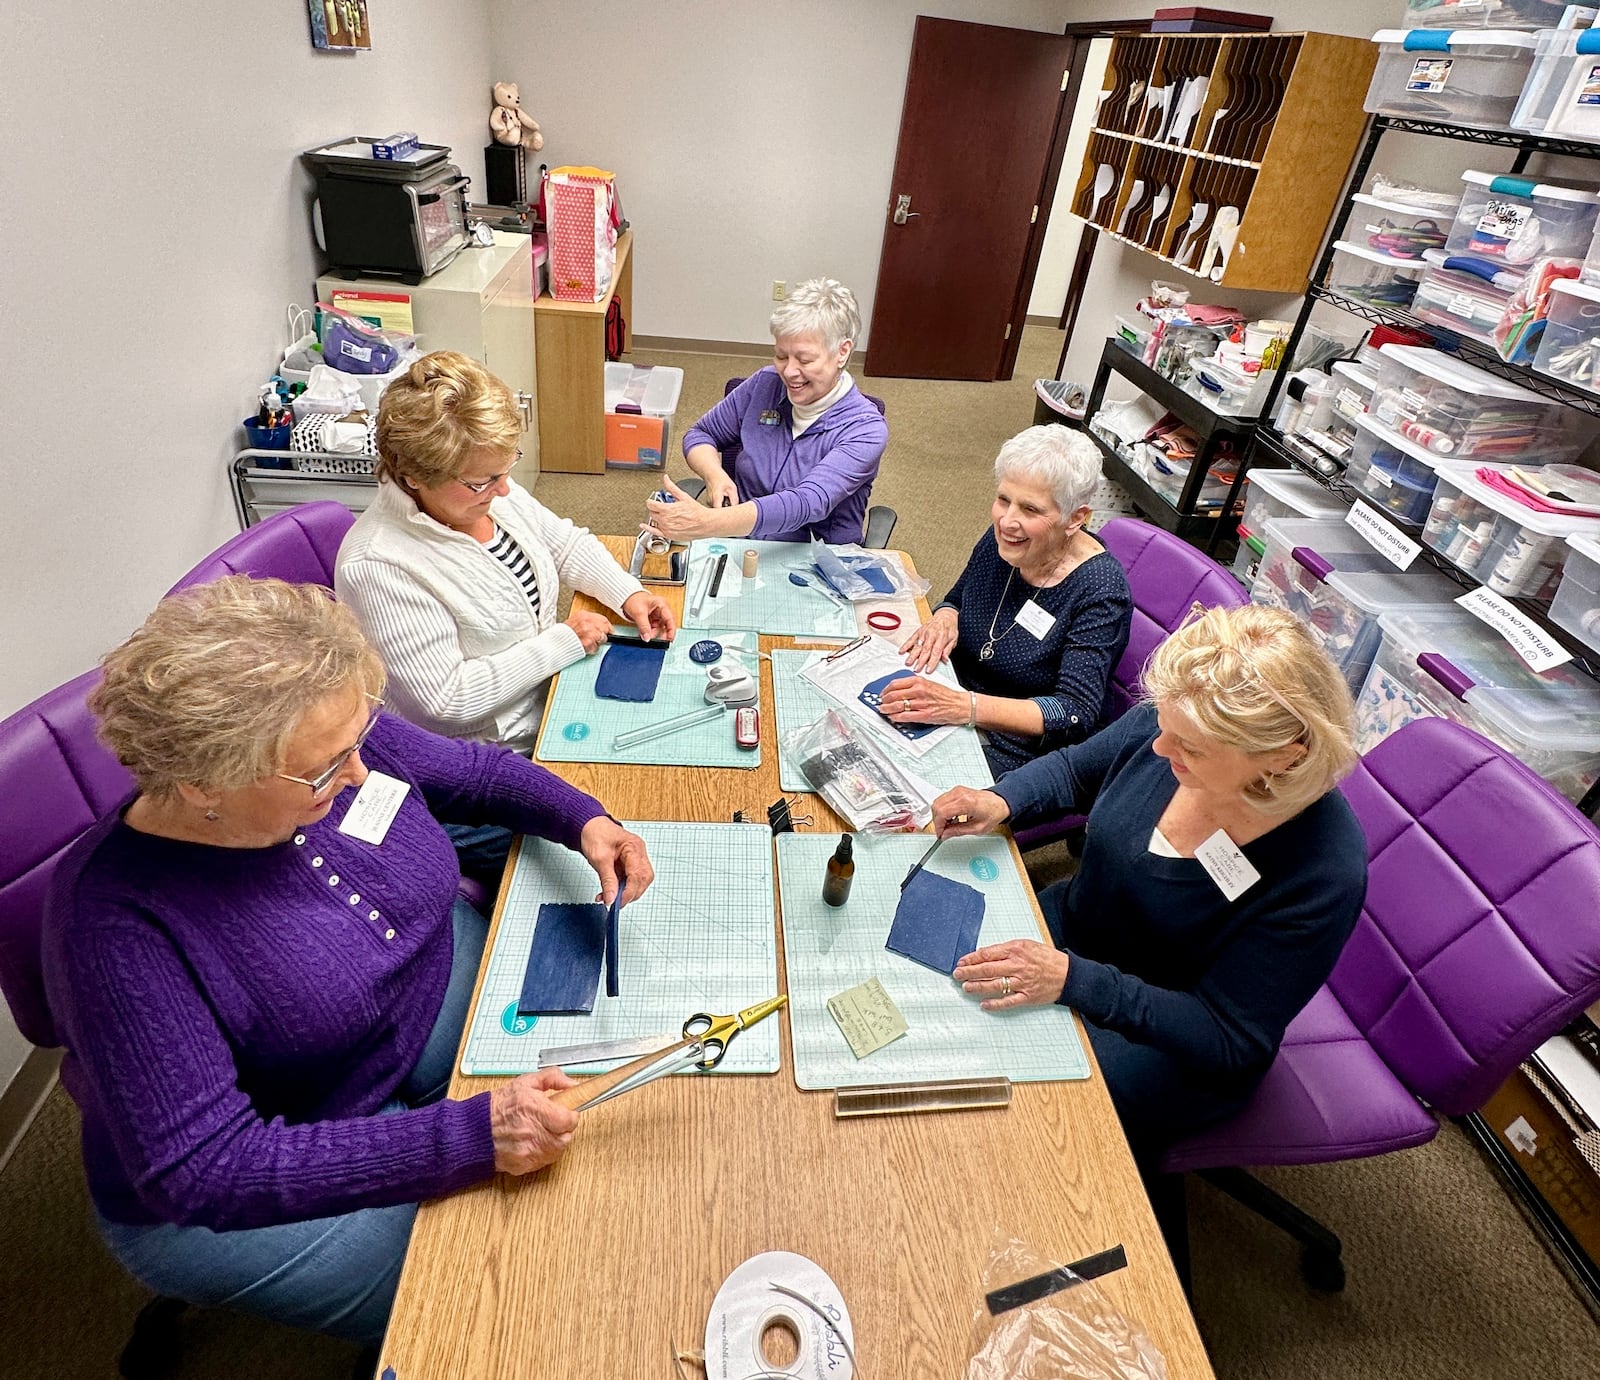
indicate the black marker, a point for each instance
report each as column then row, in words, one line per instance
column 716, row 575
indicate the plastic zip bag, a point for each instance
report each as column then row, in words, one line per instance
column 856, row 574
column 851, row 770
column 1071, row 1331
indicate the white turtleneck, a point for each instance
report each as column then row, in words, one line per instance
column 806, row 413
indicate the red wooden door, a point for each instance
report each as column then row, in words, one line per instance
column 981, row 108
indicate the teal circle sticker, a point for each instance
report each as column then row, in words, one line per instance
column 983, row 869
column 575, row 733
column 716, row 548
column 514, row 1022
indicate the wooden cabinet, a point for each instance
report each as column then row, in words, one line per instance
column 1225, row 155
column 482, row 304
column 572, row 362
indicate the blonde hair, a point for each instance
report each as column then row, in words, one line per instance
column 821, row 306
column 1252, row 678
column 210, row 690
column 431, row 419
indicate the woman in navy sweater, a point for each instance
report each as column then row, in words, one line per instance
column 1038, row 619
column 1221, row 875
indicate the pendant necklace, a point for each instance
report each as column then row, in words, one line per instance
column 986, row 652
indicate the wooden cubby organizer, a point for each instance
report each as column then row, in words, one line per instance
column 1190, row 124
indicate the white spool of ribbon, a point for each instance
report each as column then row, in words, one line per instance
column 753, row 1299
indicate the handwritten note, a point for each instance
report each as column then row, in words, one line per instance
column 868, row 1017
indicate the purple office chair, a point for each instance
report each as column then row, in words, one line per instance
column 1479, row 939
column 1167, row 577
column 299, row 544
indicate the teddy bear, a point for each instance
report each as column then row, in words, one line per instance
column 509, row 122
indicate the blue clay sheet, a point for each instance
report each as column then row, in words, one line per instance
column 564, row 960
column 872, row 696
column 630, row 673
column 936, row 922
column 612, row 938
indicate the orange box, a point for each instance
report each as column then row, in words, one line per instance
column 636, row 442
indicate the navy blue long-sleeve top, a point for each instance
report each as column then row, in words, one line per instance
column 1067, row 672
column 1158, row 953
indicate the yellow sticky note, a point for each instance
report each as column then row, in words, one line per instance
column 868, row 1017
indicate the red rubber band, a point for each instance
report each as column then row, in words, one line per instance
column 883, row 621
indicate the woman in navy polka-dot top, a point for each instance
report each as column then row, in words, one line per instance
column 1038, row 619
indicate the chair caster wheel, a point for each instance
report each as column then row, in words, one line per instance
column 1322, row 1269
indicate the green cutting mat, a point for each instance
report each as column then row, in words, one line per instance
column 701, row 939
column 829, row 951
column 958, row 761
column 767, row 602
column 580, row 726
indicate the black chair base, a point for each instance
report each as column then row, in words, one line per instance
column 1321, row 1264
column 156, row 1346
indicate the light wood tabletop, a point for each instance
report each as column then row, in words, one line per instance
column 606, row 1263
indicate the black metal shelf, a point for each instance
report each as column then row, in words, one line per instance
column 1503, row 138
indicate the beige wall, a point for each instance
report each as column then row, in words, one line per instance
column 751, row 142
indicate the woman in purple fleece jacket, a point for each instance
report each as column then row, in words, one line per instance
column 261, row 1009
column 792, row 452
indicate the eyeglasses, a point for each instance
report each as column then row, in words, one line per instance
column 323, row 779
column 480, row 486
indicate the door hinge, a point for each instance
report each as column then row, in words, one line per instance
column 1066, row 76
column 1034, row 217
column 1007, row 335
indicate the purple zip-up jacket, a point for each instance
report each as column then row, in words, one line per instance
column 816, row 484
column 234, row 1017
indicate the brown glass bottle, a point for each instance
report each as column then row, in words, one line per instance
column 841, row 871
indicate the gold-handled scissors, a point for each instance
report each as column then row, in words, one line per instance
column 705, row 1041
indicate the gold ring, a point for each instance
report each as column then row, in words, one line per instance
column 1005, row 987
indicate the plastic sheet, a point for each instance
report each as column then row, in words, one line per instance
column 847, row 765
column 1073, row 1332
column 856, row 574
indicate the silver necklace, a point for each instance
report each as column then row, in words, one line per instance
column 986, row 652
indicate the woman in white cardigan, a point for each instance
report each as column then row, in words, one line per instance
column 455, row 571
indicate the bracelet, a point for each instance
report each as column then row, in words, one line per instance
column 972, row 717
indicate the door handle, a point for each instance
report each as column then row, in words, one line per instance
column 903, row 211
column 525, row 407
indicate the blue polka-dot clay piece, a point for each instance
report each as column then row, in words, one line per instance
column 704, row 653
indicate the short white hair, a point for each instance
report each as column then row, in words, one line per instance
column 1066, row 461
column 822, row 306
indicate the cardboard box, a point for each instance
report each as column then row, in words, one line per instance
column 636, row 442
column 1200, row 19
column 1542, row 1140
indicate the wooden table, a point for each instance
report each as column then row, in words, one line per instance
column 600, row 1266
column 570, row 343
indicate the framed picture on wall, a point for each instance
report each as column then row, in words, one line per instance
column 339, row 24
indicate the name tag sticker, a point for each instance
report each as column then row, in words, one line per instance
column 374, row 808
column 768, row 418
column 1226, row 865
column 1036, row 620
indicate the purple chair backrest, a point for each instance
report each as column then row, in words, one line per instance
column 299, row 545
column 56, row 779
column 1480, row 937
column 1167, row 576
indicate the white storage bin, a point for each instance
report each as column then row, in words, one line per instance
column 1366, row 275
column 1338, row 586
column 1513, row 549
column 1273, row 494
column 1445, row 663
column 1482, row 14
column 1463, row 302
column 1453, row 410
column 1569, row 349
column 1395, row 475
column 1356, row 389
column 1513, row 220
column 1134, row 333
column 1230, row 390
column 1577, row 602
column 1463, row 76
column 1552, row 65
column 1398, row 230
column 1167, row 478
column 652, row 389
column 1565, row 84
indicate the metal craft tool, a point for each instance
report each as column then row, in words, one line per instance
column 603, row 1051
column 916, row 867
column 705, row 1040
column 796, row 578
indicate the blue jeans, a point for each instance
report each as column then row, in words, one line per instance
column 332, row 1274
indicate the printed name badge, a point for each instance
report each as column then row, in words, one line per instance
column 1036, row 620
column 1226, row 865
column 374, row 808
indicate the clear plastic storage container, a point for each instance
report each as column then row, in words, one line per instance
column 1455, row 411
column 1247, row 559
column 1461, row 76
column 1445, row 663
column 649, row 389
column 1511, row 221
column 1133, row 333
column 1465, row 303
column 1482, row 14
column 1514, row 550
column 1273, row 494
column 1397, row 229
column 1396, row 475
column 1569, row 350
column 1559, row 99
column 1577, row 602
column 1230, row 390
column 1367, row 275
column 1338, row 586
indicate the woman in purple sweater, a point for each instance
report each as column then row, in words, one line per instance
column 262, row 975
